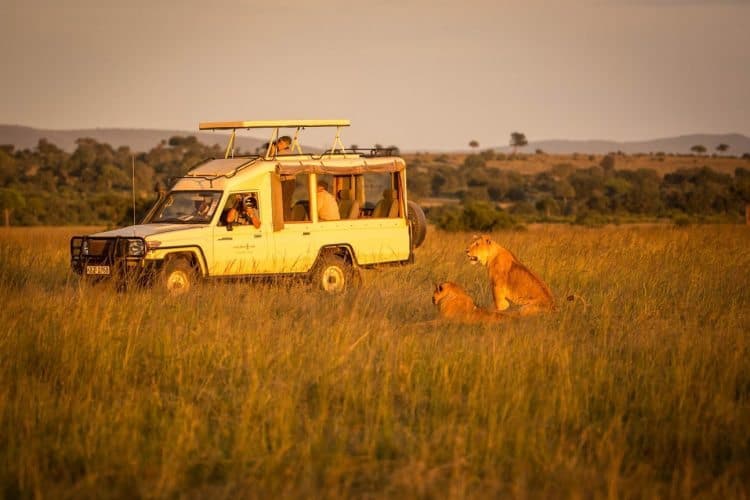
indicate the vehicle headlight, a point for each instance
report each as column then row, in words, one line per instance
column 136, row 248
column 85, row 248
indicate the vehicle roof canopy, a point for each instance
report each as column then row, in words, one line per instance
column 219, row 167
column 341, row 166
column 217, row 173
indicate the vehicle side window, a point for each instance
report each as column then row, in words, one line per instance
column 239, row 208
column 383, row 195
column 296, row 196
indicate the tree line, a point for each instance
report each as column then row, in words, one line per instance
column 488, row 198
column 92, row 186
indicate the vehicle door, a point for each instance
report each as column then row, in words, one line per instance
column 291, row 245
column 240, row 248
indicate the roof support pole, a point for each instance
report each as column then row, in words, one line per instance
column 230, row 145
column 295, row 141
column 337, row 141
column 272, row 142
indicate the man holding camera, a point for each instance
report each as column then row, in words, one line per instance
column 244, row 212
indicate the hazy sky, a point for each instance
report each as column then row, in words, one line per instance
column 421, row 74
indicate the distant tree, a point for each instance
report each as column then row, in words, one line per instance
column 698, row 149
column 742, row 188
column 353, row 147
column 608, row 163
column 437, row 183
column 487, row 154
column 473, row 144
column 547, row 206
column 474, row 161
column 722, row 147
column 395, row 150
column 517, row 140
column 10, row 200
column 7, row 167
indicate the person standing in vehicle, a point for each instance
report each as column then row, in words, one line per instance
column 328, row 209
column 281, row 145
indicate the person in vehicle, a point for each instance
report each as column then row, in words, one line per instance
column 244, row 211
column 202, row 207
column 328, row 209
column 281, row 145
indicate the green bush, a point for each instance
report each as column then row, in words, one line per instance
column 473, row 216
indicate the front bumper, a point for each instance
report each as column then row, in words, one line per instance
column 116, row 258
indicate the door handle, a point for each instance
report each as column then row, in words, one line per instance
column 225, row 238
column 306, row 233
column 257, row 236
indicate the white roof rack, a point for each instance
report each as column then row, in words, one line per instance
column 272, row 124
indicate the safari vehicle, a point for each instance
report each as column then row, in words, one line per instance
column 192, row 233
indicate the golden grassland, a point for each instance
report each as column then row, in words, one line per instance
column 529, row 163
column 259, row 390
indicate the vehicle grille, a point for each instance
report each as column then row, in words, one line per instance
column 99, row 248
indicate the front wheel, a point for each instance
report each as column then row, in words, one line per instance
column 178, row 276
column 334, row 274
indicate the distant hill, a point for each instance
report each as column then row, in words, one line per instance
column 738, row 145
column 139, row 140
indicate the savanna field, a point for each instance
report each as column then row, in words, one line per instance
column 258, row 390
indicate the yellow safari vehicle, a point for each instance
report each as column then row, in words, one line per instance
column 282, row 212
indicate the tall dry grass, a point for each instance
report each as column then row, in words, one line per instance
column 258, row 390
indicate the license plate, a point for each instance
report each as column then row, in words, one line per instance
column 97, row 269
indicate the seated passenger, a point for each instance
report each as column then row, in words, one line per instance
column 328, row 209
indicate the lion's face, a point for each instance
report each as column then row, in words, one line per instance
column 480, row 249
column 440, row 293
column 445, row 290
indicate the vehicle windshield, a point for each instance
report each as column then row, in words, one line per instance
column 186, row 207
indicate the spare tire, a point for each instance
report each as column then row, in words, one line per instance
column 418, row 223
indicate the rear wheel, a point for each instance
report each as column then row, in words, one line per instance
column 418, row 223
column 178, row 276
column 334, row 274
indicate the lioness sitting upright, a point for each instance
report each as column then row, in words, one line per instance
column 510, row 280
column 454, row 304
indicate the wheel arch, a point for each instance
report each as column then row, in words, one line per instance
column 344, row 250
column 194, row 255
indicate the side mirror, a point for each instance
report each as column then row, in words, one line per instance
column 229, row 226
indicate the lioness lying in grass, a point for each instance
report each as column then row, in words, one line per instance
column 454, row 304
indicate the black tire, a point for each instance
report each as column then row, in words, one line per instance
column 334, row 274
column 418, row 223
column 178, row 276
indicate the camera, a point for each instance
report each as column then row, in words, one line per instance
column 250, row 202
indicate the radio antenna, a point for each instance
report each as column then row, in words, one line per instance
column 132, row 163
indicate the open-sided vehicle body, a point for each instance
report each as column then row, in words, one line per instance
column 189, row 233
